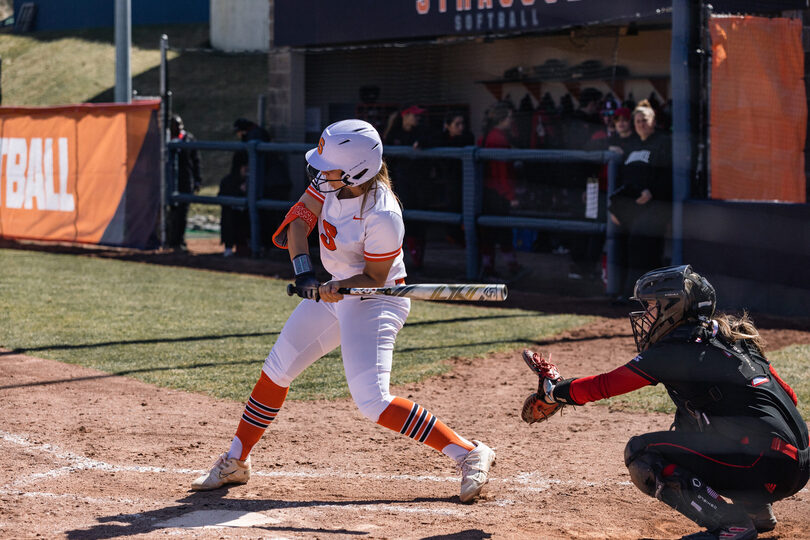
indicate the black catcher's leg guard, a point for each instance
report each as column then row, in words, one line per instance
column 679, row 488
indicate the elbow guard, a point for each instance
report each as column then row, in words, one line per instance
column 298, row 211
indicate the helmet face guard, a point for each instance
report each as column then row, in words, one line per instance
column 671, row 296
column 642, row 323
column 317, row 179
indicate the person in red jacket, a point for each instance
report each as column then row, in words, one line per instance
column 499, row 190
column 737, row 432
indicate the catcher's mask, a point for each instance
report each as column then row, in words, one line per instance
column 670, row 296
column 352, row 146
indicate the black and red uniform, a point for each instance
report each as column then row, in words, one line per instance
column 736, row 425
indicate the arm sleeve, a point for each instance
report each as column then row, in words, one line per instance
column 384, row 234
column 586, row 389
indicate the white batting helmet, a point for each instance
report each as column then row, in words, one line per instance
column 352, row 146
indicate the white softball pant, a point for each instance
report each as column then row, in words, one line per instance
column 365, row 328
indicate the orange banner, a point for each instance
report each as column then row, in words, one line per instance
column 758, row 109
column 65, row 171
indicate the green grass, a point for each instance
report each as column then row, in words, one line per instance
column 209, row 90
column 209, row 332
column 790, row 362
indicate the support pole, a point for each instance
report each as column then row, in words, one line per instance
column 165, row 110
column 252, row 196
column 614, row 285
column 123, row 44
column 471, row 207
column 682, row 159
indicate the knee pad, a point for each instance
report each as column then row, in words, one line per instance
column 645, row 470
column 634, row 447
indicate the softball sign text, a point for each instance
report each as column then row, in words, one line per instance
column 86, row 173
column 34, row 174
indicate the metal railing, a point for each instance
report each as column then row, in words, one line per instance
column 470, row 217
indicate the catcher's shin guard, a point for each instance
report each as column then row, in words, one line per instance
column 681, row 490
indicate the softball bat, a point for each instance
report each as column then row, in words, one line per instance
column 455, row 292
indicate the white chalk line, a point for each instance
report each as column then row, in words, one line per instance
column 528, row 480
column 525, row 481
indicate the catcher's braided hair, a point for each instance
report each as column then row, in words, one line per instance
column 734, row 328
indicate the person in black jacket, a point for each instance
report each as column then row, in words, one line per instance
column 737, row 432
column 273, row 183
column 406, row 128
column 446, row 174
column 188, row 179
column 642, row 205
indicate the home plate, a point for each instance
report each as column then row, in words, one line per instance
column 217, row 518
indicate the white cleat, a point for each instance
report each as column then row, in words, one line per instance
column 224, row 471
column 475, row 470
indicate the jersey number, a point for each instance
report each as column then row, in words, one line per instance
column 328, row 238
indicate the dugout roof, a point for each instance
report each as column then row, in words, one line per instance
column 312, row 23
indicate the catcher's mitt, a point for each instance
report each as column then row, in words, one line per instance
column 537, row 410
column 535, row 407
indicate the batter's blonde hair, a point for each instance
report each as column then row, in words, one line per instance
column 736, row 328
column 381, row 178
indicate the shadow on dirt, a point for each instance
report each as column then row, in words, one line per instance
column 212, row 509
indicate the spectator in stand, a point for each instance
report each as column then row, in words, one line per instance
column 499, row 191
column 587, row 249
column 585, row 122
column 405, row 128
column 187, row 175
column 641, row 206
column 623, row 135
column 447, row 173
column 583, row 131
column 608, row 110
column 235, row 223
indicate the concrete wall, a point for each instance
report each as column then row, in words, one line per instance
column 240, row 26
column 756, row 255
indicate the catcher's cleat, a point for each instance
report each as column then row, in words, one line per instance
column 224, row 471
column 742, row 531
column 544, row 368
column 475, row 470
column 762, row 516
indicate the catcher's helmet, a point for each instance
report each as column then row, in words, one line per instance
column 677, row 294
column 352, row 146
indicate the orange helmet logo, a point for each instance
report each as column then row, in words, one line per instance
column 320, row 146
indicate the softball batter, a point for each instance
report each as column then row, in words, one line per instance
column 360, row 230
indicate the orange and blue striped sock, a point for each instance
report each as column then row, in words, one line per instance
column 261, row 408
column 413, row 420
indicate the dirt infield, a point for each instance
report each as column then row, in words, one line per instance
column 88, row 455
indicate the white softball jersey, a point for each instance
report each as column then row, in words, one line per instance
column 365, row 328
column 349, row 236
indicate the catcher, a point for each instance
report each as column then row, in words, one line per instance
column 736, row 433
